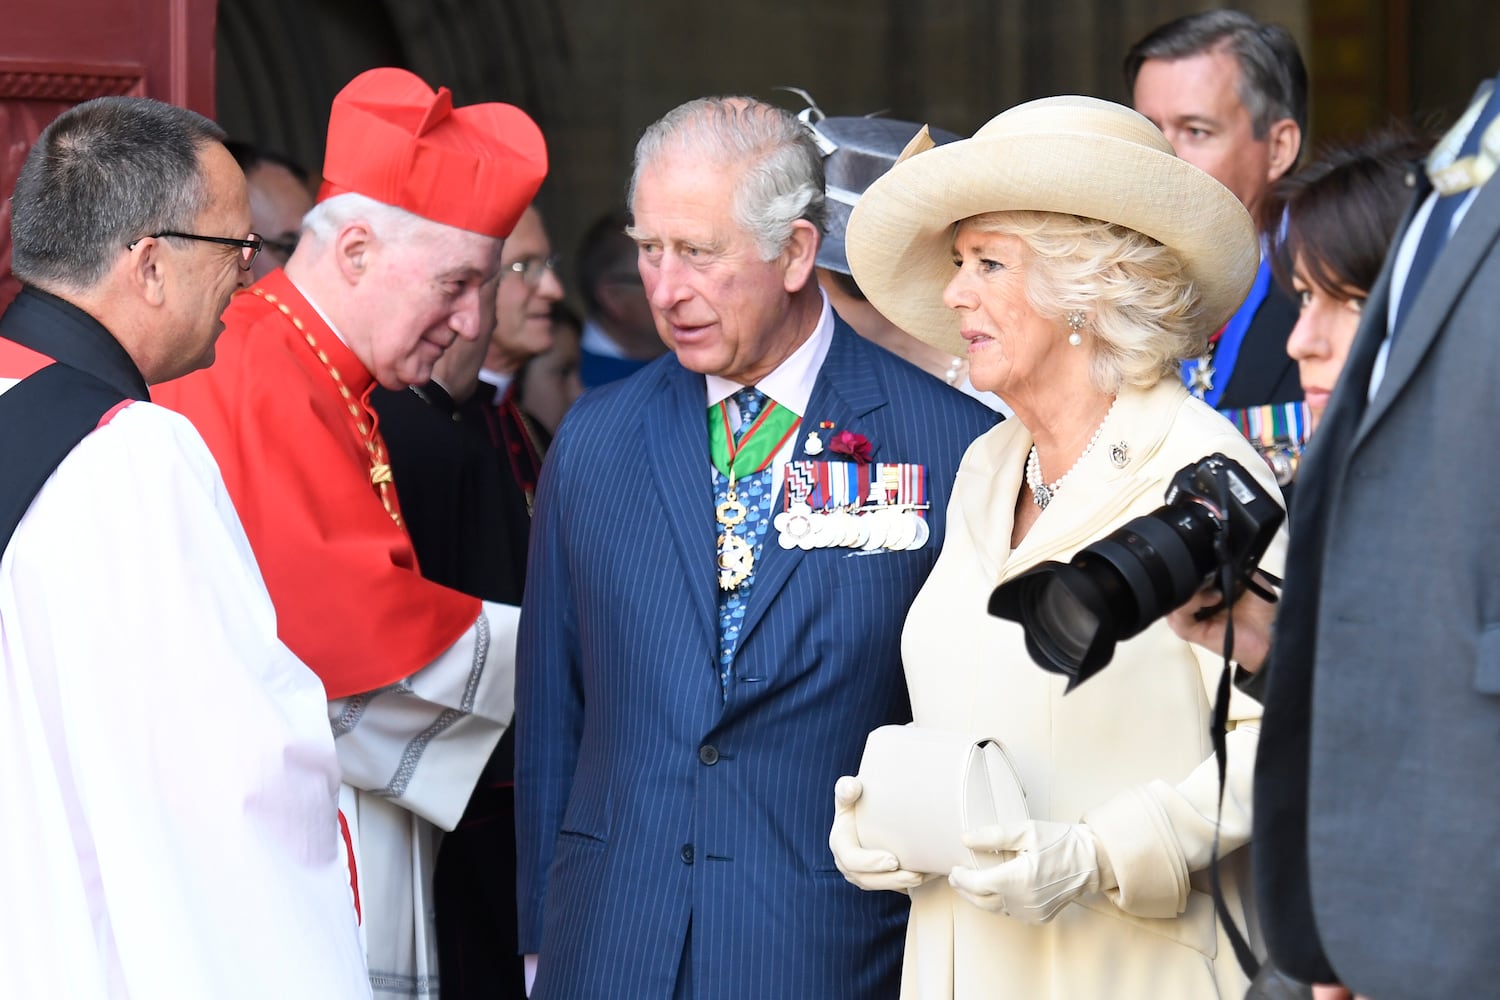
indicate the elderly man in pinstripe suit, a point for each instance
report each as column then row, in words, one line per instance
column 724, row 550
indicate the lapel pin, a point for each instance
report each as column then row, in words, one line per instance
column 814, row 444
column 1119, row 454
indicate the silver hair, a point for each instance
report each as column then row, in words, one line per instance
column 781, row 170
column 389, row 222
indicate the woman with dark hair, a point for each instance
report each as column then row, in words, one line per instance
column 1341, row 212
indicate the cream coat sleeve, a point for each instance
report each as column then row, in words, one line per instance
column 1157, row 834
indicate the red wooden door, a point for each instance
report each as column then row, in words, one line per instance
column 62, row 52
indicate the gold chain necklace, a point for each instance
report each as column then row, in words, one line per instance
column 380, row 464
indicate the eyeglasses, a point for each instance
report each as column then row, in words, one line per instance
column 249, row 247
column 530, row 268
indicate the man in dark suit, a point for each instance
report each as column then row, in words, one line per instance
column 1377, row 784
column 698, row 670
column 1230, row 94
column 170, row 777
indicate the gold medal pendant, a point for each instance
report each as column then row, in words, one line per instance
column 736, row 557
column 731, row 512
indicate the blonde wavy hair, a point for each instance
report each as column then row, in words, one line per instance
column 1144, row 313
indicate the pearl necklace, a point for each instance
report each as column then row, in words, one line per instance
column 1042, row 493
column 954, row 372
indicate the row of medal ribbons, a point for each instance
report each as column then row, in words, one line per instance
column 880, row 505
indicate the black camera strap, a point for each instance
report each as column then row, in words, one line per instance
column 1218, row 728
column 1269, row 596
column 1242, row 950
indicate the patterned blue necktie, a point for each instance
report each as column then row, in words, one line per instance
column 754, row 491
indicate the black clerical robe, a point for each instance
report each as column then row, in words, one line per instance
column 468, row 514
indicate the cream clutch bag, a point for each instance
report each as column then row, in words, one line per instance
column 924, row 788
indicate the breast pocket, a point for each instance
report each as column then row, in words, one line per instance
column 864, row 600
column 1487, row 670
column 881, row 568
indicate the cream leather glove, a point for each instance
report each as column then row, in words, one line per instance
column 1053, row 864
column 869, row 869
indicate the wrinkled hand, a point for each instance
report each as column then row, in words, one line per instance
column 1054, row 863
column 1253, row 616
column 869, row 869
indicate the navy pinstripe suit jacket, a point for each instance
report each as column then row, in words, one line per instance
column 645, row 801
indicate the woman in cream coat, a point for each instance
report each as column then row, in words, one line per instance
column 993, row 247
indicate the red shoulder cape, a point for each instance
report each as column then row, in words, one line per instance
column 349, row 598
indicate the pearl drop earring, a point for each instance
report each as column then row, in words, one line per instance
column 1076, row 320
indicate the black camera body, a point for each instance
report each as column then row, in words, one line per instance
column 1216, row 517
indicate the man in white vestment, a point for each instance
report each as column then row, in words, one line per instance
column 170, row 783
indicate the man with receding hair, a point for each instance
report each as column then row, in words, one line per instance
column 171, row 786
column 690, row 681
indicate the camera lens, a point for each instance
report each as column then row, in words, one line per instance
column 1163, row 557
column 1075, row 612
column 1066, row 621
column 1216, row 517
column 1062, row 619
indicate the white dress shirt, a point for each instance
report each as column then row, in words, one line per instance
column 789, row 383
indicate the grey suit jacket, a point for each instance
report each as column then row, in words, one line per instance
column 1377, row 799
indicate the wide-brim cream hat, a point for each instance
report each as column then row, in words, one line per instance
column 1074, row 155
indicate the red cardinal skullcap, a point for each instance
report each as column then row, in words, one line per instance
column 391, row 138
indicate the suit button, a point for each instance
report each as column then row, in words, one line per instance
column 708, row 754
column 687, row 854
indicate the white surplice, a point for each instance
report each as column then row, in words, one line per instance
column 411, row 754
column 168, row 779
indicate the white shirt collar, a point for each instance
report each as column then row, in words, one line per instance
column 498, row 381
column 596, row 341
column 791, row 382
column 319, row 310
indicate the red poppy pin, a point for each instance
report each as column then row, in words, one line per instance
column 855, row 446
